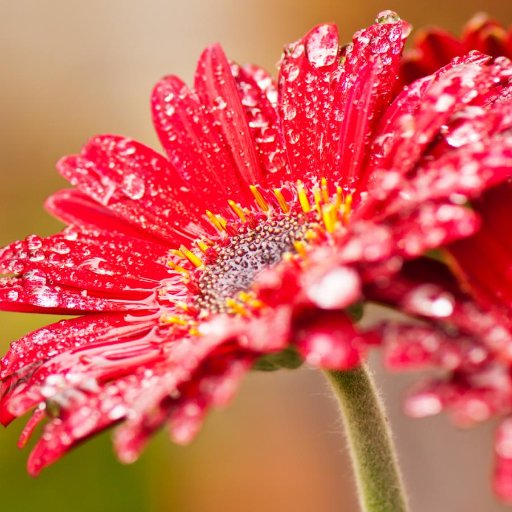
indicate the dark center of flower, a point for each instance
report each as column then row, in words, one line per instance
column 252, row 239
column 247, row 255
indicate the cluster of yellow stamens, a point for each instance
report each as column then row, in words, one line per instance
column 319, row 211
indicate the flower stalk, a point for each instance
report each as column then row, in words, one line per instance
column 379, row 483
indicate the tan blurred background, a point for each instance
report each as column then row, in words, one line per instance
column 72, row 69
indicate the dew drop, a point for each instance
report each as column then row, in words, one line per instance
column 60, row 248
column 117, row 412
column 297, row 51
column 293, row 73
column 335, row 289
column 444, row 102
column 133, row 186
column 34, row 242
column 293, row 137
column 289, row 112
column 35, row 277
column 322, row 47
column 127, row 149
column 12, row 295
column 45, row 297
column 430, row 301
column 387, row 17
column 220, row 103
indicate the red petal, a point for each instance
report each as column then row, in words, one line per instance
column 331, row 341
column 217, row 89
column 438, row 48
column 478, row 32
column 73, row 207
column 431, row 226
column 215, row 388
column 258, row 94
column 308, row 75
column 418, row 346
column 433, row 49
column 143, row 397
column 105, row 262
column 28, row 294
column 65, row 335
column 408, row 125
column 485, row 259
column 451, row 91
column 188, row 134
column 137, row 184
column 367, row 85
column 458, row 175
column 427, row 289
column 494, row 41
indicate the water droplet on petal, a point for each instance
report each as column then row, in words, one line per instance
column 12, row 295
column 387, row 17
column 429, row 300
column 60, row 248
column 34, row 242
column 220, row 103
column 45, row 297
column 289, row 112
column 133, row 186
column 35, row 277
column 293, row 73
column 335, row 289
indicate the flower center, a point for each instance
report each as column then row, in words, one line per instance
column 220, row 272
column 247, row 255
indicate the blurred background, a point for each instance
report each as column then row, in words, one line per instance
column 74, row 69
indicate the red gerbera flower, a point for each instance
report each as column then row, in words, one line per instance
column 473, row 392
column 434, row 47
column 277, row 212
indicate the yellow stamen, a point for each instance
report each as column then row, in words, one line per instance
column 318, row 199
column 250, row 300
column 288, row 256
column 172, row 319
column 348, row 208
column 325, row 190
column 281, row 200
column 223, row 222
column 256, row 303
column 300, row 248
column 329, row 217
column 259, row 198
column 238, row 210
column 177, row 253
column 182, row 305
column 339, row 197
column 244, row 296
column 177, row 268
column 310, row 235
column 202, row 246
column 216, row 220
column 195, row 260
column 303, row 198
column 236, row 307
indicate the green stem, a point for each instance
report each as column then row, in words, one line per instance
column 379, row 483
